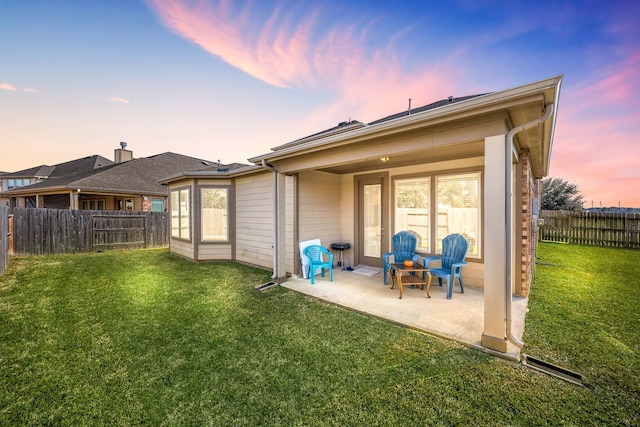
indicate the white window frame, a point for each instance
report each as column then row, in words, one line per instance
column 466, row 221
column 181, row 213
column 433, row 210
column 213, row 213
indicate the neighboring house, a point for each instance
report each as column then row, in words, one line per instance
column 470, row 165
column 17, row 180
column 96, row 183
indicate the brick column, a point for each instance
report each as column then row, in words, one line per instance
column 529, row 223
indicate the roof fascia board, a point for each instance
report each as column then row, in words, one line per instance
column 34, row 192
column 553, row 127
column 233, row 173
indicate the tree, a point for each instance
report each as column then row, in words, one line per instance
column 558, row 194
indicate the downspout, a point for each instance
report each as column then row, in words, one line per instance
column 509, row 223
column 275, row 216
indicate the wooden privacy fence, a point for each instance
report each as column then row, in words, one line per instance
column 113, row 231
column 615, row 230
column 4, row 238
column 57, row 231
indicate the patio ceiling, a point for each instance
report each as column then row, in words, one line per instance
column 408, row 158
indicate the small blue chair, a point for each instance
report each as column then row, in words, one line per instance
column 404, row 248
column 454, row 250
column 314, row 253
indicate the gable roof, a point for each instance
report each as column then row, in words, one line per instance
column 137, row 176
column 85, row 164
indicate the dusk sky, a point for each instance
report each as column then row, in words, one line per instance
column 229, row 80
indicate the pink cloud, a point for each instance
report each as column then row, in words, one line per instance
column 286, row 50
column 120, row 100
column 595, row 144
column 7, row 86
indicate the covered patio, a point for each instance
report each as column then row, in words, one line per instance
column 460, row 319
column 463, row 165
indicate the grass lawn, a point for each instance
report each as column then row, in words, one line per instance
column 146, row 338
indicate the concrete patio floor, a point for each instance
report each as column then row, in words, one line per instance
column 460, row 318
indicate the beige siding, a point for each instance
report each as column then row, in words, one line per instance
column 213, row 252
column 319, row 205
column 182, row 248
column 215, row 182
column 254, row 219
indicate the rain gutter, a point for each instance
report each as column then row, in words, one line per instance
column 549, row 108
column 275, row 216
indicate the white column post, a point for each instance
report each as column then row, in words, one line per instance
column 495, row 247
column 74, row 199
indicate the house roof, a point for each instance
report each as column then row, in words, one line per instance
column 350, row 125
column 85, row 164
column 441, row 103
column 137, row 176
column 340, row 128
column 361, row 147
column 217, row 171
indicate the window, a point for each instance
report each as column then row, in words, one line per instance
column 433, row 207
column 157, row 205
column 93, row 205
column 412, row 208
column 180, row 218
column 17, row 183
column 458, row 201
column 214, row 202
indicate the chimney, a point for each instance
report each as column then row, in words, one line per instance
column 122, row 155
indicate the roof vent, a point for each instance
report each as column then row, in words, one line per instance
column 451, row 99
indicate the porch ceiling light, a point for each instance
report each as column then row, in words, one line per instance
column 385, row 159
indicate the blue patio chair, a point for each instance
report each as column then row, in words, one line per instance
column 314, row 253
column 454, row 250
column 404, row 248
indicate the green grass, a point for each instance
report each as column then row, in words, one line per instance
column 146, row 338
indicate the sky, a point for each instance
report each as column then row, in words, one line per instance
column 228, row 80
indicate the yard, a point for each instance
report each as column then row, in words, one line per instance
column 146, row 338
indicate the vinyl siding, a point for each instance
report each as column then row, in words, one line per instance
column 319, row 207
column 212, row 252
column 254, row 219
column 182, row 248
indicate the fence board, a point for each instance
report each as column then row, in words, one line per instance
column 617, row 230
column 4, row 238
column 57, row 231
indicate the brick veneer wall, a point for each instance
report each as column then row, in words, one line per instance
column 530, row 189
